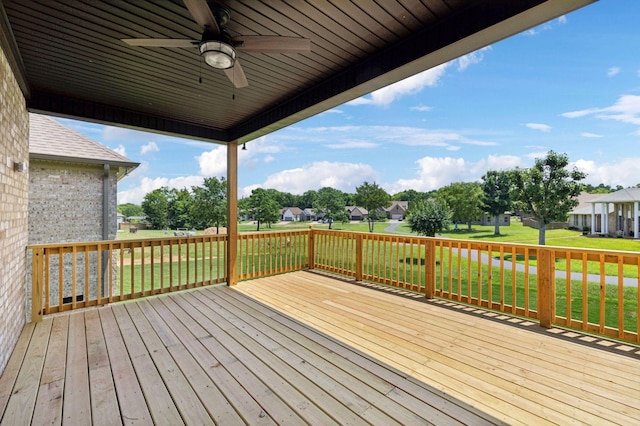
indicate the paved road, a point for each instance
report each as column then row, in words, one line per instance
column 593, row 278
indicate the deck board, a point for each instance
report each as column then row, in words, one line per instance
column 308, row 348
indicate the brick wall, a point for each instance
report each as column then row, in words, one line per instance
column 65, row 205
column 14, row 147
column 65, row 202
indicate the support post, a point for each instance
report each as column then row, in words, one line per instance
column 37, row 267
column 232, row 213
column 430, row 268
column 359, row 254
column 311, row 249
column 545, row 287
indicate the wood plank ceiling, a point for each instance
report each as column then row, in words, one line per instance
column 73, row 62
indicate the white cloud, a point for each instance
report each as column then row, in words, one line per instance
column 471, row 58
column 149, row 147
column 136, row 195
column 590, row 135
column 353, row 144
column 416, row 83
column 538, row 154
column 546, row 26
column 613, row 71
column 539, row 126
column 421, row 108
column 580, row 113
column 269, row 158
column 120, row 150
column 111, row 133
column 623, row 172
column 332, row 111
column 436, row 172
column 246, row 191
column 626, row 109
column 214, row 162
column 343, row 176
column 408, row 86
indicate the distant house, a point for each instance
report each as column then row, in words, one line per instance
column 619, row 213
column 357, row 213
column 308, row 214
column 290, row 214
column 72, row 189
column 580, row 217
column 486, row 220
column 397, row 210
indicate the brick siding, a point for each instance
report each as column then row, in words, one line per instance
column 14, row 147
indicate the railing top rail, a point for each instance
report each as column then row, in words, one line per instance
column 184, row 239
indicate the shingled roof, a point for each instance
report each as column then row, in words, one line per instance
column 52, row 140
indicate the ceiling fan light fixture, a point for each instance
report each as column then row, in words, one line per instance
column 218, row 54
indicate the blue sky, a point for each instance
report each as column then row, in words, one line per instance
column 571, row 85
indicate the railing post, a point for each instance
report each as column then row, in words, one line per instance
column 544, row 283
column 37, row 266
column 359, row 255
column 311, row 249
column 430, row 268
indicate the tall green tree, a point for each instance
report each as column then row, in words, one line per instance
column 496, row 195
column 179, row 208
column 464, row 200
column 373, row 198
column 548, row 190
column 330, row 203
column 307, row 199
column 156, row 208
column 130, row 209
column 209, row 207
column 429, row 217
column 263, row 208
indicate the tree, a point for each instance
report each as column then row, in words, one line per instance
column 547, row 190
column 129, row 210
column 428, row 217
column 263, row 208
column 496, row 195
column 464, row 200
column 156, row 208
column 179, row 208
column 331, row 204
column 209, row 207
column 307, row 199
column 373, row 198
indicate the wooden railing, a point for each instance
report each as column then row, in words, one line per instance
column 269, row 253
column 590, row 290
column 78, row 275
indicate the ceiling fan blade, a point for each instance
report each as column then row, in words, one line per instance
column 202, row 14
column 272, row 44
column 160, row 42
column 236, row 75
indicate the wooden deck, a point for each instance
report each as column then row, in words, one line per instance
column 306, row 348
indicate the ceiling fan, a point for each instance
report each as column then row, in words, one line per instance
column 217, row 48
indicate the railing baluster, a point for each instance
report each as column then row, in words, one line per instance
column 585, row 294
column 620, row 298
column 74, row 276
column 602, row 295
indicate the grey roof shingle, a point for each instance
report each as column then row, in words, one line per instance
column 625, row 195
column 51, row 140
